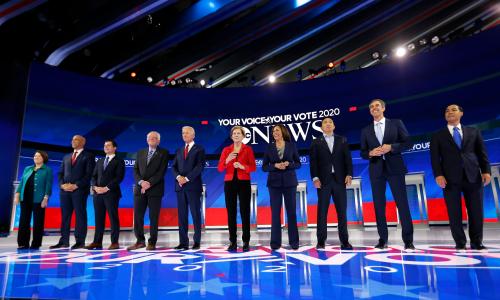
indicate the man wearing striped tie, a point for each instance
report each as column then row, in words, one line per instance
column 149, row 174
column 108, row 174
column 460, row 165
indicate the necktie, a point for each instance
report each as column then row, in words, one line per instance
column 378, row 132
column 186, row 150
column 106, row 162
column 457, row 137
column 150, row 154
column 73, row 158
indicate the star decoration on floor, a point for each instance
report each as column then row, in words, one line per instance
column 62, row 283
column 214, row 286
column 375, row 289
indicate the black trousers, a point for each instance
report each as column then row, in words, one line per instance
column 74, row 201
column 109, row 203
column 23, row 236
column 189, row 200
column 289, row 195
column 398, row 187
column 473, row 195
column 141, row 203
column 337, row 190
column 232, row 191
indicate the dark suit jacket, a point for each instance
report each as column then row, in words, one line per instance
column 277, row 177
column 321, row 159
column 80, row 173
column 111, row 177
column 191, row 167
column 449, row 161
column 396, row 135
column 154, row 172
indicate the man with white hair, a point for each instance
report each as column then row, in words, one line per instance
column 188, row 164
column 149, row 172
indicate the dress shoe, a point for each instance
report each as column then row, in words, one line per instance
column 114, row 246
column 409, row 246
column 232, row 247
column 94, row 246
column 381, row 245
column 295, row 247
column 23, row 248
column 35, row 248
column 460, row 247
column 246, row 247
column 181, row 247
column 275, row 247
column 320, row 245
column 58, row 245
column 345, row 246
column 478, row 247
column 196, row 246
column 136, row 246
column 151, row 247
column 77, row 246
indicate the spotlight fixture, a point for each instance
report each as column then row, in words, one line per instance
column 411, row 47
column 435, row 40
column 272, row 78
column 202, row 82
column 400, row 52
column 133, row 74
column 330, row 65
column 149, row 79
column 422, row 42
column 376, row 55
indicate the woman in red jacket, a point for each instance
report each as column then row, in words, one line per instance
column 238, row 161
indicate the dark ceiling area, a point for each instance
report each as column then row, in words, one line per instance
column 223, row 43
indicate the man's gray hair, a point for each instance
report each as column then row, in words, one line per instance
column 154, row 132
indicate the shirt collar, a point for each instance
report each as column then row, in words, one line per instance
column 326, row 136
column 111, row 156
column 191, row 144
column 78, row 151
column 382, row 121
column 450, row 127
column 151, row 149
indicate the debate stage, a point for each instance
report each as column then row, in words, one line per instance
column 434, row 271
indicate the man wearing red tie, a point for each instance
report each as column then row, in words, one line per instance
column 74, row 181
column 187, row 167
column 460, row 165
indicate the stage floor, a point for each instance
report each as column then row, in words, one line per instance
column 434, row 271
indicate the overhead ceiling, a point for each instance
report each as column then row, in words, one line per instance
column 224, row 43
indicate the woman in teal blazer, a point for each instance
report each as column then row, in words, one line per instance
column 33, row 193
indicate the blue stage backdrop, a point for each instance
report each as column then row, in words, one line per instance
column 12, row 103
column 417, row 89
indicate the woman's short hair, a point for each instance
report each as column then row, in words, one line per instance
column 44, row 155
column 284, row 132
column 240, row 128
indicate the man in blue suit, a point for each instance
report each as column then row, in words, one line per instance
column 74, row 181
column 188, row 164
column 382, row 143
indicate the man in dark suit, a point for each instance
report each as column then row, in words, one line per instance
column 108, row 174
column 149, row 172
column 331, row 171
column 188, row 164
column 74, row 181
column 382, row 143
column 460, row 165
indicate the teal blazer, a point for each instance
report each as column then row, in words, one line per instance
column 43, row 183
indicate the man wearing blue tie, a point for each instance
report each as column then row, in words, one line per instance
column 460, row 165
column 187, row 167
column 382, row 143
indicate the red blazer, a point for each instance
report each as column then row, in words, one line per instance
column 245, row 157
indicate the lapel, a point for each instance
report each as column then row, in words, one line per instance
column 466, row 136
column 371, row 131
column 323, row 142
column 450, row 139
column 155, row 155
column 386, row 130
column 336, row 141
column 189, row 152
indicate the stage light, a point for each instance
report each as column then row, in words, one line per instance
column 400, row 52
column 172, row 82
column 411, row 47
column 149, row 79
column 272, row 78
column 375, row 55
column 330, row 65
column 202, row 82
column 133, row 74
column 422, row 42
column 435, row 40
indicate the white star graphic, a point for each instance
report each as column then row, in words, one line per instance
column 214, row 286
column 62, row 283
column 375, row 289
